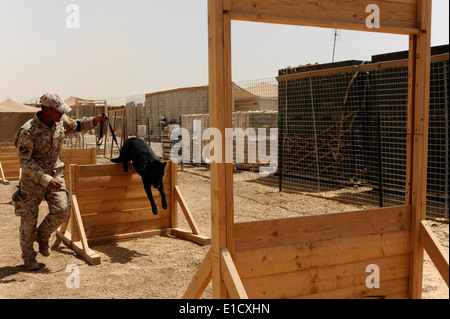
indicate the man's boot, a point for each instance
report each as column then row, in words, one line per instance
column 44, row 249
column 31, row 263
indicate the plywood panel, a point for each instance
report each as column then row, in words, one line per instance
column 325, row 279
column 325, row 255
column 311, row 254
column 278, row 232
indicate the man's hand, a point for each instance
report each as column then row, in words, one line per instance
column 55, row 184
column 101, row 117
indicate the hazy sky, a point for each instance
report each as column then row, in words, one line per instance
column 125, row 48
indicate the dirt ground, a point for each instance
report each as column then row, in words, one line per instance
column 161, row 266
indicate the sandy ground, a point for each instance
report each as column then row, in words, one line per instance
column 161, row 266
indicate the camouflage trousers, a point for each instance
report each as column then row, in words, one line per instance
column 27, row 200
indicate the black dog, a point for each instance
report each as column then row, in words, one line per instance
column 147, row 164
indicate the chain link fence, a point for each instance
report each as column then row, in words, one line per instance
column 340, row 129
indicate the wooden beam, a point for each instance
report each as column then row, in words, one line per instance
column 80, row 246
column 435, row 250
column 220, row 109
column 173, row 200
column 2, row 176
column 90, row 256
column 201, row 279
column 231, row 277
column 398, row 17
column 186, row 211
column 195, row 238
column 418, row 130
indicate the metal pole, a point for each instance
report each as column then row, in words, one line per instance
column 315, row 134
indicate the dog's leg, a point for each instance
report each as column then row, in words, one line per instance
column 163, row 196
column 148, row 190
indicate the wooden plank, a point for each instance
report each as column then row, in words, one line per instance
column 115, row 193
column 312, row 254
column 186, row 211
column 398, row 17
column 389, row 289
column 76, row 218
column 124, row 228
column 111, row 181
column 317, row 280
column 435, row 250
column 278, row 232
column 231, row 277
column 202, row 240
column 2, row 175
column 128, row 236
column 420, row 143
column 97, row 170
column 91, row 257
column 170, row 189
column 120, row 217
column 121, row 204
column 220, row 109
column 104, row 170
column 200, row 280
column 8, row 150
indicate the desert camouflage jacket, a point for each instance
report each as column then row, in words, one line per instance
column 39, row 146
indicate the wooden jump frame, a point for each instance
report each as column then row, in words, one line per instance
column 321, row 256
column 109, row 204
column 10, row 168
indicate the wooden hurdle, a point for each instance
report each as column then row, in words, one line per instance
column 326, row 256
column 109, row 204
column 10, row 167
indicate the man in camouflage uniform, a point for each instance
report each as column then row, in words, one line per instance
column 39, row 143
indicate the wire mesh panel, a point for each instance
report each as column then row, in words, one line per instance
column 438, row 145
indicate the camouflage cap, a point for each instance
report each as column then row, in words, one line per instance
column 54, row 100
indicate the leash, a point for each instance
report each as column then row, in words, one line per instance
column 100, row 134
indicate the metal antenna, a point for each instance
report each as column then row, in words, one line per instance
column 334, row 44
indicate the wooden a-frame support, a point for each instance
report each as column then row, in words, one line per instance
column 398, row 17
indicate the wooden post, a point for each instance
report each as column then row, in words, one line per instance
column 220, row 108
column 418, row 114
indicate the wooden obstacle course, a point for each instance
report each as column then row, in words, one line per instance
column 9, row 165
column 111, row 205
column 10, row 169
column 305, row 243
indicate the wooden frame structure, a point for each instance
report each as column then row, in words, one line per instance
column 9, row 165
column 10, row 168
column 245, row 258
column 109, row 204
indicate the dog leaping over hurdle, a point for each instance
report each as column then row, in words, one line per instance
column 147, row 164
